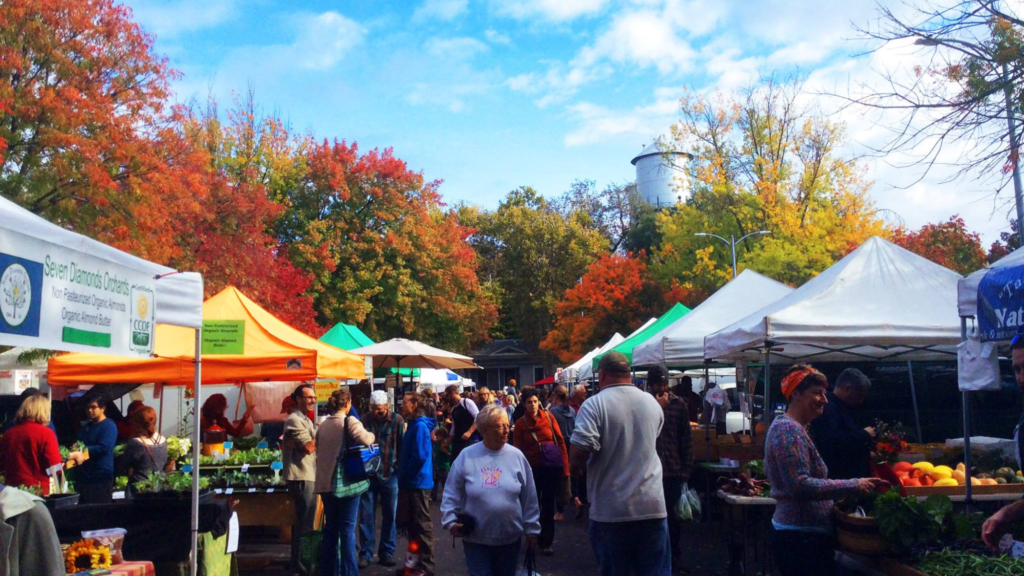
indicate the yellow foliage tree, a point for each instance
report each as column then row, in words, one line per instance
column 763, row 162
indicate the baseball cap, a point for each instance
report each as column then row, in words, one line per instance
column 614, row 362
column 378, row 397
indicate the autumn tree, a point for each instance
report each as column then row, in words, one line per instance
column 530, row 254
column 82, row 109
column 383, row 250
column 949, row 244
column 617, row 294
column 762, row 162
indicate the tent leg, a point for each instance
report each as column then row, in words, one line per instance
column 197, row 384
column 160, row 415
column 968, row 491
column 707, row 421
column 913, row 398
column 767, row 413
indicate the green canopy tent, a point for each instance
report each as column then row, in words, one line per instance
column 627, row 345
column 349, row 337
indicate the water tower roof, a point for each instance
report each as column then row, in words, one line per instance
column 657, row 148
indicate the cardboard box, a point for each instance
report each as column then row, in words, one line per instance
column 704, row 450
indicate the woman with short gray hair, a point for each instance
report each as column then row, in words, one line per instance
column 490, row 500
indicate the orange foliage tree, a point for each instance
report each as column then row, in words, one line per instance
column 948, row 243
column 617, row 294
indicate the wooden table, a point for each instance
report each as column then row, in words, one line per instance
column 748, row 521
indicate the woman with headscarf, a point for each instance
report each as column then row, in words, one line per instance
column 146, row 451
column 212, row 414
column 801, row 529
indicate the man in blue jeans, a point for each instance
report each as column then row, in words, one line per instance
column 615, row 442
column 389, row 428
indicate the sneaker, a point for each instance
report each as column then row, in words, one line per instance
column 387, row 561
column 547, row 551
column 364, row 562
column 559, row 516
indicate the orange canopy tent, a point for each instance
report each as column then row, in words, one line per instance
column 262, row 347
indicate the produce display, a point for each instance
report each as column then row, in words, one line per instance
column 178, row 482
column 921, row 474
column 255, row 456
column 960, row 562
column 750, row 483
column 234, row 478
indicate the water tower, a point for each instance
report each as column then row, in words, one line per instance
column 661, row 177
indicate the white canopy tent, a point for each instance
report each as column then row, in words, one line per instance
column 586, row 372
column 572, row 371
column 682, row 342
column 177, row 296
column 967, row 288
column 880, row 302
column 439, row 379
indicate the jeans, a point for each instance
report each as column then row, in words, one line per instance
column 387, row 494
column 484, row 560
column 548, row 481
column 798, row 553
column 305, row 515
column 338, row 547
column 673, row 488
column 639, row 548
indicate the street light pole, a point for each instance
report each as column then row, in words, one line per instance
column 732, row 242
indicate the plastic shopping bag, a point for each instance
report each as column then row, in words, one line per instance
column 529, row 567
column 694, row 499
column 682, row 510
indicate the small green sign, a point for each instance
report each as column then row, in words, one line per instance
column 223, row 337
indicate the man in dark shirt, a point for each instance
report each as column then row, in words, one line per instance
column 675, row 449
column 844, row 446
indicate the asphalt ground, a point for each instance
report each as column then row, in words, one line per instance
column 703, row 551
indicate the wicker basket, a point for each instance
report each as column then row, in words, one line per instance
column 859, row 535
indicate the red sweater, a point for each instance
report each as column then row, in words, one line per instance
column 545, row 432
column 26, row 451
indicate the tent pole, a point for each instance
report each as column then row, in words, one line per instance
column 707, row 421
column 160, row 416
column 967, row 431
column 196, row 385
column 913, row 397
column 767, row 413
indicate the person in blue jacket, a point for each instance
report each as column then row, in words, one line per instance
column 416, row 476
column 94, row 478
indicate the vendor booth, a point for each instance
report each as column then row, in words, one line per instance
column 241, row 342
column 67, row 292
column 681, row 343
column 627, row 346
column 586, row 371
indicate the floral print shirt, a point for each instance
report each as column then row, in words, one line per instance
column 799, row 478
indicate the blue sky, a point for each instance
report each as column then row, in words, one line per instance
column 488, row 95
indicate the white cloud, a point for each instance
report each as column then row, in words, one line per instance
column 455, row 48
column 643, row 38
column 496, row 37
column 444, row 10
column 170, row 19
column 598, row 123
column 322, row 41
column 551, row 10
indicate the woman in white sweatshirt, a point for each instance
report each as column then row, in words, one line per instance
column 492, row 483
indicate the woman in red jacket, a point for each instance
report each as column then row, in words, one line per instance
column 537, row 434
column 30, row 447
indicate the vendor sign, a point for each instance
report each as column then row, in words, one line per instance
column 55, row 298
column 1001, row 304
column 324, row 388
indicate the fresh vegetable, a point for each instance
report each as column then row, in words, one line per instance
column 908, row 521
column 959, row 563
column 743, row 485
column 121, row 483
column 178, row 447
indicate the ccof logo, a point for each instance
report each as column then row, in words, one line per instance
column 16, row 291
column 142, row 305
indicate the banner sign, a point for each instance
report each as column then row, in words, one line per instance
column 55, row 298
column 324, row 388
column 223, row 337
column 1001, row 304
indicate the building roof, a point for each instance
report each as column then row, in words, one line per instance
column 507, row 347
column 657, row 148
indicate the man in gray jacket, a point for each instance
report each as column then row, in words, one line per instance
column 298, row 453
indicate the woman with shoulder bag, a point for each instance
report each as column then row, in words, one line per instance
column 340, row 491
column 538, row 436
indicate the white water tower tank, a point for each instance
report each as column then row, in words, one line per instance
column 661, row 177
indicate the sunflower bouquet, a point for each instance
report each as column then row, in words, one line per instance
column 86, row 555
